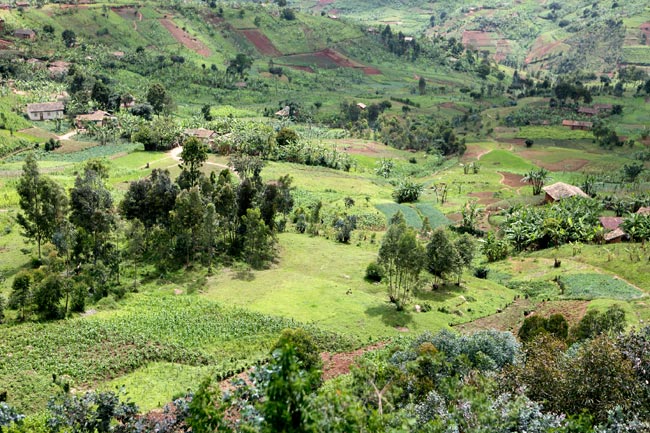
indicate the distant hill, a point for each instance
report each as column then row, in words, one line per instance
column 562, row 37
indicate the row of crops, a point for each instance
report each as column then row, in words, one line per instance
column 85, row 350
column 414, row 215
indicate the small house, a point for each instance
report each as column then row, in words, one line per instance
column 578, row 125
column 22, row 5
column 98, row 118
column 5, row 6
column 205, row 135
column 560, row 190
column 645, row 27
column 45, row 111
column 643, row 211
column 25, row 34
column 603, row 107
column 611, row 223
column 588, row 111
column 361, row 105
column 614, row 236
column 285, row 112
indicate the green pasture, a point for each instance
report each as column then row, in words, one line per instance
column 319, row 281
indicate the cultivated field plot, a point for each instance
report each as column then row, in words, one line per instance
column 261, row 42
column 326, row 59
column 185, row 38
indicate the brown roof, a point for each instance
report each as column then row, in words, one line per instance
column 614, row 234
column 611, row 223
column 560, row 190
column 22, row 4
column 199, row 132
column 644, row 211
column 93, row 117
column 45, row 106
column 588, row 110
column 284, row 112
column 602, row 107
column 24, row 32
column 577, row 123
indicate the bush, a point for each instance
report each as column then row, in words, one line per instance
column 481, row 272
column 407, row 191
column 374, row 272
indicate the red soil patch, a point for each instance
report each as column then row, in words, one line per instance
column 184, row 38
column 337, row 58
column 126, row 12
column 455, row 217
column 453, row 106
column 478, row 39
column 511, row 179
column 336, row 364
column 515, row 141
column 484, row 197
column 503, row 49
column 570, row 164
column 371, row 71
column 213, row 19
column 572, row 311
column 343, row 62
column 302, row 68
column 261, row 42
column 541, row 50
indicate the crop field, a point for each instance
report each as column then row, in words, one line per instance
column 147, row 328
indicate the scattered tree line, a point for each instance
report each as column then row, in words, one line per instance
column 92, row 243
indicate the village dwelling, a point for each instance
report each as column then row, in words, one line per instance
column 560, row 190
column 98, row 118
column 588, row 111
column 45, row 111
column 285, row 112
column 25, row 34
column 361, row 105
column 578, row 124
column 603, row 107
column 614, row 236
column 205, row 135
column 22, row 5
column 613, row 231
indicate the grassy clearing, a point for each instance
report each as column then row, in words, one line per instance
column 157, row 383
column 313, row 276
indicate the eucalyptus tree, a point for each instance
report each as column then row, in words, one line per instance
column 43, row 203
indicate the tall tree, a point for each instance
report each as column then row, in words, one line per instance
column 92, row 210
column 402, row 258
column 187, row 218
column 194, row 154
column 43, row 202
column 159, row 98
column 442, row 256
column 21, row 293
column 258, row 239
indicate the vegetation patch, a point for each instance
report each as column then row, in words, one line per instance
column 594, row 286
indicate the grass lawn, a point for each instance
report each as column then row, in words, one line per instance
column 311, row 284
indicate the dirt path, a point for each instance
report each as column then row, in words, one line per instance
column 67, row 135
column 175, row 154
column 334, row 365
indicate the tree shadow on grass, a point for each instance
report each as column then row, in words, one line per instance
column 442, row 294
column 390, row 316
column 243, row 273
